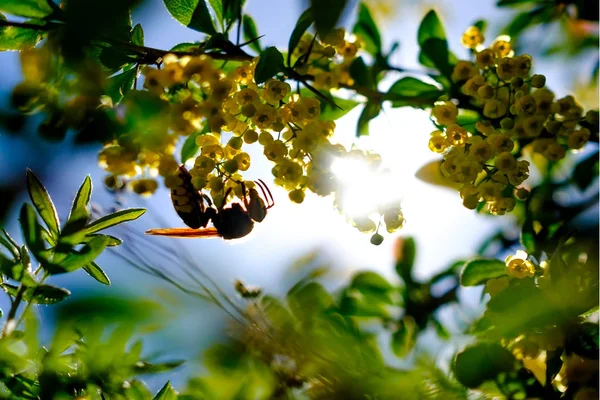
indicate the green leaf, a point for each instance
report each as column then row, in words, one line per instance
column 528, row 236
column 17, row 38
column 137, row 35
column 144, row 367
column 94, row 270
column 370, row 281
column 190, row 148
column 166, row 393
column 434, row 53
column 307, row 299
column 9, row 244
column 114, row 58
column 401, row 92
column 583, row 173
column 481, row 362
column 440, row 329
column 192, row 13
column 137, row 390
column 404, row 338
column 367, row 30
column 432, row 174
column 368, row 295
column 186, row 47
column 360, row 72
column 406, row 259
column 251, row 33
column 434, row 46
column 355, row 304
column 113, row 219
column 26, row 8
column 32, row 231
column 43, row 203
column 303, row 23
column 326, row 14
column 78, row 259
column 370, row 111
column 269, row 64
column 232, row 10
column 477, row 272
column 331, row 113
column 276, row 313
column 328, row 111
column 45, row 294
column 481, row 24
column 410, row 86
column 430, row 28
column 217, row 7
column 79, row 209
column 119, row 85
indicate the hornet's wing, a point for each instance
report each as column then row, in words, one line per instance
column 185, row 232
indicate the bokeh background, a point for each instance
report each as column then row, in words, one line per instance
column 272, row 257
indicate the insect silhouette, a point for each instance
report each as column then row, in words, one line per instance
column 229, row 221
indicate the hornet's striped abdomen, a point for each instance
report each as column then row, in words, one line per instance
column 188, row 202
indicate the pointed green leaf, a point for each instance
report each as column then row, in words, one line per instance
column 32, row 231
column 94, row 270
column 303, row 23
column 326, row 14
column 404, row 338
column 190, row 148
column 76, row 259
column 371, row 280
column 306, row 299
column 367, row 30
column 477, row 272
column 481, row 24
column 217, row 7
column 192, row 13
column 528, row 236
column 434, row 46
column 45, row 294
column 111, row 240
column 269, row 64
column 232, row 10
column 137, row 35
column 406, row 254
column 137, row 390
column 118, row 85
column 360, row 73
column 434, row 53
column 144, row 367
column 43, row 203
column 166, row 393
column 370, row 111
column 430, row 28
column 402, row 90
column 251, row 33
column 79, row 209
column 119, row 217
column 186, row 46
column 481, row 362
column 14, row 38
column 328, row 111
column 9, row 244
column 26, row 8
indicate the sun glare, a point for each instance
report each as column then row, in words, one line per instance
column 365, row 189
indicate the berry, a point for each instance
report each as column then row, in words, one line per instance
column 376, row 239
